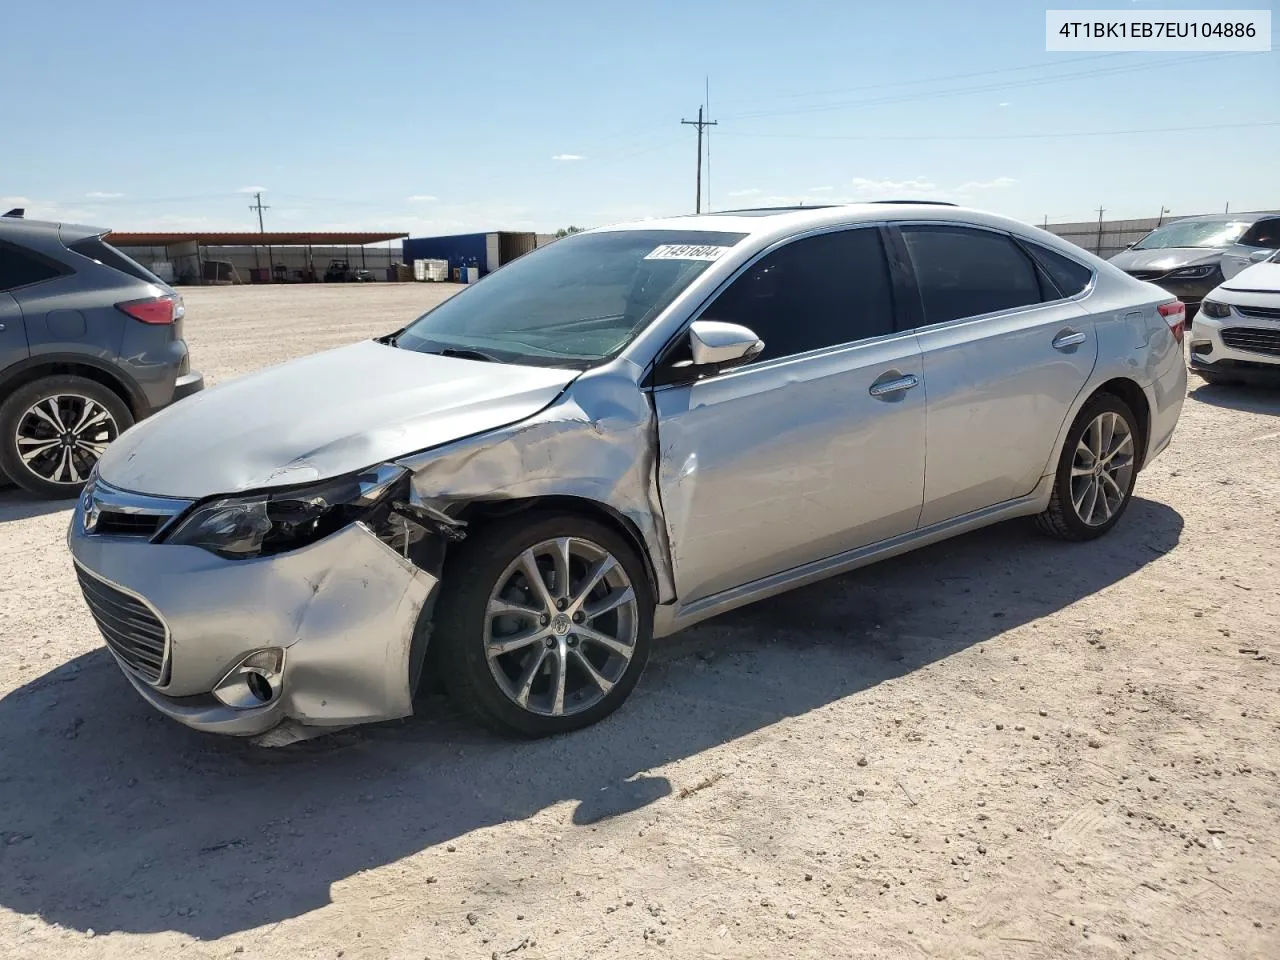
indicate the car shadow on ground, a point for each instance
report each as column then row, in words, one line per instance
column 114, row 818
column 17, row 504
column 1249, row 398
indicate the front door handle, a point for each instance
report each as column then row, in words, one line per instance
column 1068, row 339
column 885, row 388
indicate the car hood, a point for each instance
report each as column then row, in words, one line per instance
column 1260, row 278
column 1167, row 259
column 322, row 416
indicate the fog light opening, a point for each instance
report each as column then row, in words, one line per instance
column 253, row 682
column 1201, row 347
column 259, row 686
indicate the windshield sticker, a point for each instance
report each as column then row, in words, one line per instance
column 687, row 251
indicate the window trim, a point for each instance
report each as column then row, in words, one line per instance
column 897, row 292
column 1019, row 242
column 60, row 269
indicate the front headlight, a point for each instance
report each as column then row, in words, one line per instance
column 1212, row 308
column 1193, row 273
column 262, row 524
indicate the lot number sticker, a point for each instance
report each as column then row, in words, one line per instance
column 687, row 251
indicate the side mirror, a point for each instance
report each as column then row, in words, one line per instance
column 1261, row 256
column 710, row 346
column 722, row 345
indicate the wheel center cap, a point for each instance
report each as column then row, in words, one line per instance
column 561, row 625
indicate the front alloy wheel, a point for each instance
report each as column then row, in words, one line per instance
column 544, row 623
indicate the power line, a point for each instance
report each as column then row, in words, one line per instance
column 1000, row 136
column 984, row 88
column 700, row 124
column 906, row 83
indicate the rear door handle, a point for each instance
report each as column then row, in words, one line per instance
column 886, row 388
column 1068, row 339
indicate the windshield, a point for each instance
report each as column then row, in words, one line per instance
column 1193, row 233
column 572, row 303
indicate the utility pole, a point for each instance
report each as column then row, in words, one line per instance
column 707, row 102
column 1163, row 211
column 700, row 124
column 1098, row 247
column 1228, row 207
column 257, row 205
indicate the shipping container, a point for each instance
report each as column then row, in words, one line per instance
column 485, row 252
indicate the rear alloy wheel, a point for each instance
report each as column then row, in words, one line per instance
column 54, row 431
column 545, row 625
column 1096, row 473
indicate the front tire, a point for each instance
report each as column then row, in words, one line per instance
column 1096, row 471
column 53, row 431
column 545, row 624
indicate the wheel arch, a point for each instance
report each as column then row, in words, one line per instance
column 37, row 368
column 1135, row 398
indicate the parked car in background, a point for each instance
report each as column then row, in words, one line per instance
column 609, row 439
column 1190, row 257
column 1237, row 339
column 90, row 342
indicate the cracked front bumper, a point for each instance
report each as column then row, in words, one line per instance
column 344, row 610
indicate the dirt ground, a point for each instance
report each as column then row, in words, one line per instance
column 998, row 747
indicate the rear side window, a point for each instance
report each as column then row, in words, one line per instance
column 1264, row 233
column 1067, row 275
column 816, row 292
column 97, row 249
column 19, row 269
column 964, row 272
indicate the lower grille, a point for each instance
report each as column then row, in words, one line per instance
column 128, row 524
column 1253, row 340
column 131, row 629
column 1259, row 313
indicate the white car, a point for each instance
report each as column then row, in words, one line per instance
column 1236, row 337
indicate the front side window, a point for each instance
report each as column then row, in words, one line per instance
column 965, row 272
column 573, row 303
column 815, row 292
column 1193, row 233
column 17, row 269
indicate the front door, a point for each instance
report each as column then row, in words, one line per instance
column 815, row 448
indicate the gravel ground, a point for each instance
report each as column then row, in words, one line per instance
column 1000, row 746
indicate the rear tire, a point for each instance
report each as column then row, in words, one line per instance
column 1096, row 471
column 553, row 679
column 54, row 430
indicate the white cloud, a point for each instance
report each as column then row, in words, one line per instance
column 1004, row 103
column 819, row 189
column 421, row 198
column 751, row 192
column 252, row 190
column 101, row 195
column 864, row 187
column 568, row 156
column 999, row 183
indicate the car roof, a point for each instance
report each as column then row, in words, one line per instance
column 767, row 225
column 1226, row 217
column 15, row 228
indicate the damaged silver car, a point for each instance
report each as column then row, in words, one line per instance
column 619, row 435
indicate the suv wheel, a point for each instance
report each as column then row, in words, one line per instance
column 1096, row 472
column 544, row 625
column 53, row 431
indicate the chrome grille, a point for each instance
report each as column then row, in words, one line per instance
column 1253, row 340
column 1259, row 313
column 131, row 629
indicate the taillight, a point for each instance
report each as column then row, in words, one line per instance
column 1175, row 314
column 157, row 310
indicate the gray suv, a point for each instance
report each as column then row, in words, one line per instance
column 90, row 342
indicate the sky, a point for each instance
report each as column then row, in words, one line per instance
column 508, row 115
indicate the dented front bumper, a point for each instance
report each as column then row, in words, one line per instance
column 343, row 611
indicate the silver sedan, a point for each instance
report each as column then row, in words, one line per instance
column 612, row 438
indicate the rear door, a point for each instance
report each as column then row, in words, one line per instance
column 1006, row 353
column 18, row 268
column 815, row 448
column 13, row 337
